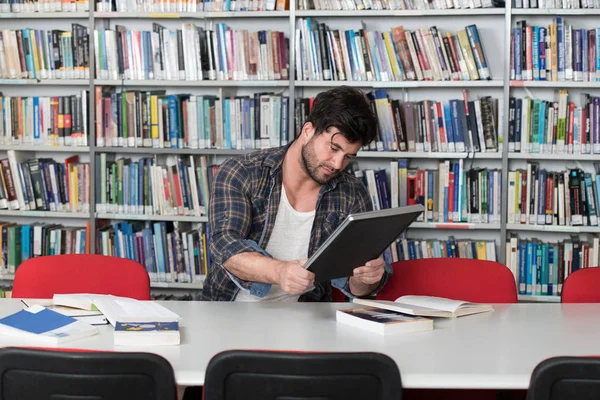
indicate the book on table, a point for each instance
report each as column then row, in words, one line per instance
column 92, row 317
column 40, row 323
column 383, row 321
column 136, row 322
column 428, row 306
column 147, row 334
column 116, row 308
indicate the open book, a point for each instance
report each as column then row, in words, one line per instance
column 428, row 306
column 118, row 309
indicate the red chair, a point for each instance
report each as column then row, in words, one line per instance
column 581, row 286
column 42, row 277
column 476, row 281
column 337, row 296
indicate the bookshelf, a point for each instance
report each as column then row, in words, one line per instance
column 192, row 15
column 495, row 25
column 539, row 299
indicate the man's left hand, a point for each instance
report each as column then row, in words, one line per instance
column 371, row 272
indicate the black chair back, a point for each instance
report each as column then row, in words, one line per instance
column 565, row 378
column 32, row 374
column 260, row 375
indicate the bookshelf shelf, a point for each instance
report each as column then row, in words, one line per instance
column 151, row 150
column 424, row 155
column 553, row 228
column 45, row 15
column 555, row 84
column 587, row 12
column 217, row 84
column 557, row 157
column 192, row 15
column 362, row 154
column 177, row 285
column 140, row 217
column 501, row 87
column 43, row 214
column 540, row 299
column 45, row 82
column 450, row 225
column 44, row 149
column 399, row 13
column 402, row 84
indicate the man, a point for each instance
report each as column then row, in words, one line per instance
column 272, row 209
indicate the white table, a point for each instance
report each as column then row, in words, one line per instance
column 496, row 350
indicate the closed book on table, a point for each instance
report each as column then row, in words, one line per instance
column 146, row 333
column 383, row 321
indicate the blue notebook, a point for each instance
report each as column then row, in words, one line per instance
column 41, row 323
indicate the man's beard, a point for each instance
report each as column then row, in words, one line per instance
column 311, row 166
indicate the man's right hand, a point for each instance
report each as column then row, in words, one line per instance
column 293, row 278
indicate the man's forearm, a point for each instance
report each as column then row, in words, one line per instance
column 255, row 267
column 358, row 288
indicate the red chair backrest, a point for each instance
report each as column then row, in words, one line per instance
column 42, row 277
column 476, row 281
column 337, row 296
column 581, row 286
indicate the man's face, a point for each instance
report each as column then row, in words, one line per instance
column 326, row 155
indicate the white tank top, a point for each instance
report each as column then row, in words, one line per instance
column 289, row 241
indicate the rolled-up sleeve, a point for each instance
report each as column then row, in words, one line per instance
column 230, row 211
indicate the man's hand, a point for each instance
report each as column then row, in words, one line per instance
column 293, row 278
column 366, row 278
column 371, row 272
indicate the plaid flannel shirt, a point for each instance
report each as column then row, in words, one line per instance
column 243, row 205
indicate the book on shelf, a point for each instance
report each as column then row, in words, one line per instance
column 554, row 127
column 537, row 196
column 428, row 306
column 191, row 6
column 38, row 323
column 44, row 6
column 451, row 193
column 366, row 55
column 44, row 184
column 359, row 5
column 384, row 322
column 540, row 268
column 170, row 251
column 44, row 120
column 143, row 187
column 415, row 249
column 191, row 53
column 159, row 120
column 457, row 125
column 45, row 54
column 556, row 4
column 20, row 242
column 556, row 52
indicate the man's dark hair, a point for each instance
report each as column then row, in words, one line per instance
column 348, row 110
